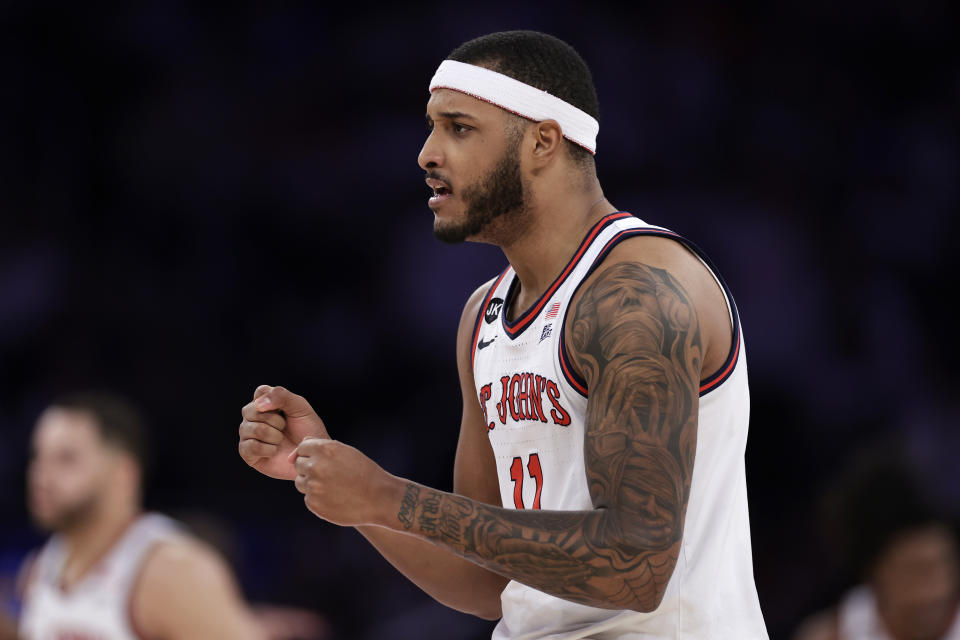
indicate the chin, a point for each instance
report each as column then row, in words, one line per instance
column 44, row 521
column 448, row 231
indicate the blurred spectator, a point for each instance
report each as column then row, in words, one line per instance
column 904, row 552
column 111, row 571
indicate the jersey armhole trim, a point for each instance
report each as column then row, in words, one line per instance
column 707, row 385
column 135, row 587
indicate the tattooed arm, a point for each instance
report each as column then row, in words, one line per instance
column 635, row 337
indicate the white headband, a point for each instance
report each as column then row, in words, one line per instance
column 519, row 98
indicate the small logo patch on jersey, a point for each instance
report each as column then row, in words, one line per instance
column 483, row 345
column 552, row 311
column 546, row 333
column 493, row 310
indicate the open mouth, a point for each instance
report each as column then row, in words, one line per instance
column 441, row 191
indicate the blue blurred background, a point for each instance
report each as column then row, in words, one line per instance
column 199, row 200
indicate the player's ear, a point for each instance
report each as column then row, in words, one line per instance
column 126, row 468
column 547, row 140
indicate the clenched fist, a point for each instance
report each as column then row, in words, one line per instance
column 274, row 423
column 342, row 485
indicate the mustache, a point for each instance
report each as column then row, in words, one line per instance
column 433, row 175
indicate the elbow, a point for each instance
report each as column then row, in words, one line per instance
column 647, row 581
column 646, row 598
column 647, row 603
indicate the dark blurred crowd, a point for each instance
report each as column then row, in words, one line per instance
column 196, row 201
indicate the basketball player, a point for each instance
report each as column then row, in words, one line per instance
column 599, row 480
column 110, row 571
column 906, row 554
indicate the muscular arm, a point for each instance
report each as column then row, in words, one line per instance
column 186, row 592
column 635, row 337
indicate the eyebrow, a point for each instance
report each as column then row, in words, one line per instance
column 453, row 115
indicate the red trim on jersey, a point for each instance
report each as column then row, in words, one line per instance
column 568, row 373
column 715, row 379
column 572, row 376
column 514, row 328
column 720, row 376
column 479, row 323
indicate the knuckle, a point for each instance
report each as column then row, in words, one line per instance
column 245, row 430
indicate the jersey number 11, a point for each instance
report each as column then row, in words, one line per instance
column 516, row 474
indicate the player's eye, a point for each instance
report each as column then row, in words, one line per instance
column 460, row 129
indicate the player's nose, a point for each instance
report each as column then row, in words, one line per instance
column 431, row 156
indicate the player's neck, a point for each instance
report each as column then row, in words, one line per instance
column 558, row 225
column 91, row 539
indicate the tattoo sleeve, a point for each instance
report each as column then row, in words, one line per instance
column 635, row 338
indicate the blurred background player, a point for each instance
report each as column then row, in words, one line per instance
column 111, row 571
column 903, row 551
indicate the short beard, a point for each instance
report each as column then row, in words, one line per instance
column 498, row 194
column 70, row 518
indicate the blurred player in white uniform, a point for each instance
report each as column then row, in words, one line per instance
column 110, row 571
column 904, row 550
column 600, row 489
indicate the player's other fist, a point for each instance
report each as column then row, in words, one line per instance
column 274, row 423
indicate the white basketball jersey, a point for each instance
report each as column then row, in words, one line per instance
column 534, row 406
column 98, row 606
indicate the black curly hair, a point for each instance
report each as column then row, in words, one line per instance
column 540, row 60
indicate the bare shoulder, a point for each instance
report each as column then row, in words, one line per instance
column 472, row 307
column 677, row 266
column 672, row 256
column 173, row 562
column 189, row 579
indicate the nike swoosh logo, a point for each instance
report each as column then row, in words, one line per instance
column 483, row 345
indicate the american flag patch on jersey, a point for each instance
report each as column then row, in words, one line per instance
column 552, row 311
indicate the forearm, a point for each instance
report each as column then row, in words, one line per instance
column 450, row 579
column 588, row 557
